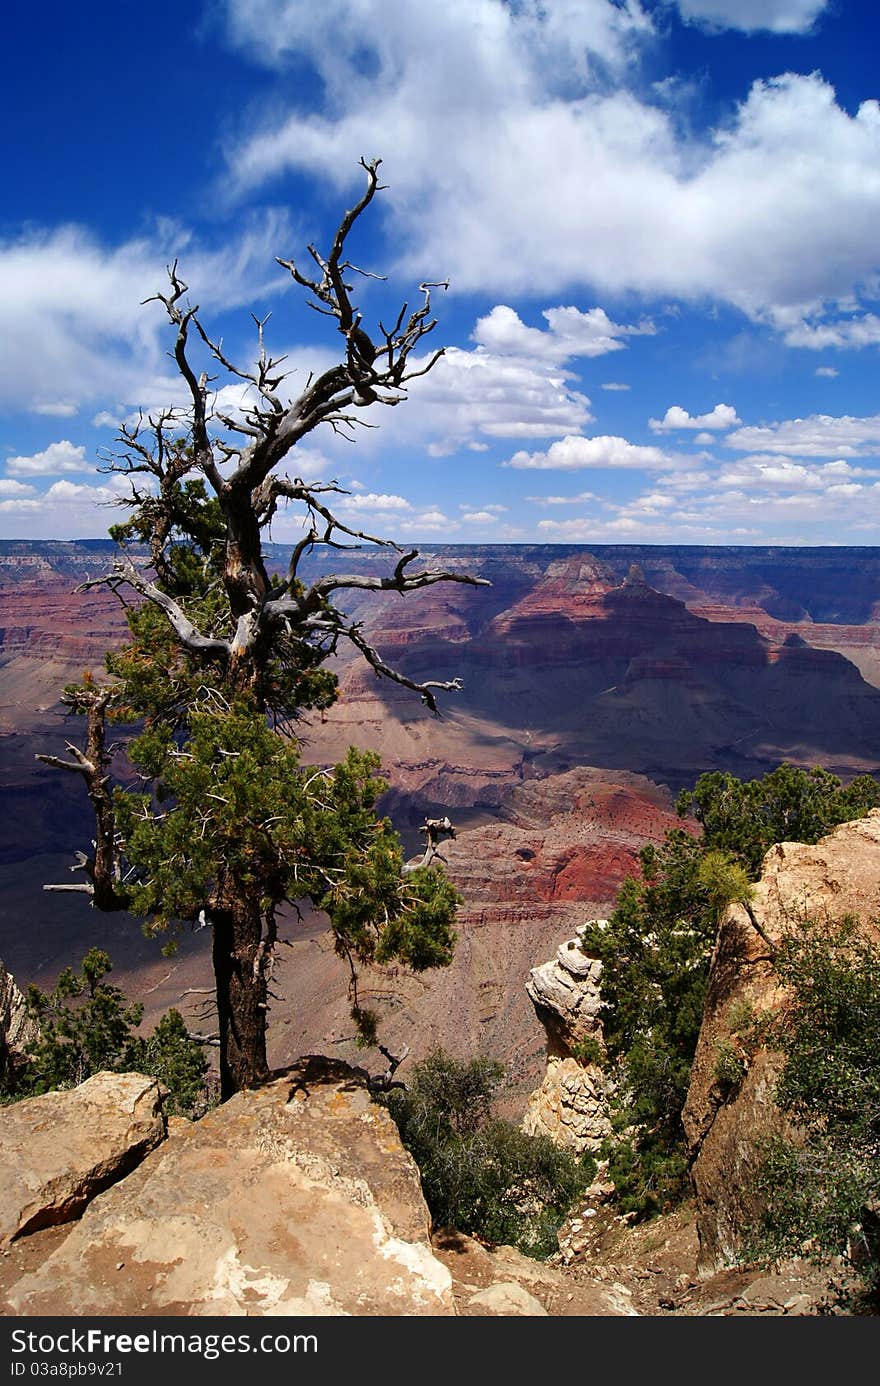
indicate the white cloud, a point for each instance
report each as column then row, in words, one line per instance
column 820, row 435
column 579, row 499
column 67, row 510
column 722, row 416
column 828, row 371
column 15, row 488
column 57, row 457
column 476, row 391
column 370, row 500
column 574, row 453
column 615, row 385
column 70, row 307
column 480, row 517
column 563, row 176
column 777, row 16
column 765, row 498
column 564, row 36
column 571, row 333
column 653, row 529
column 855, row 332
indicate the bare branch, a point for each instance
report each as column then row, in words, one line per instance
column 102, row 867
column 78, row 767
column 124, row 572
column 434, row 831
column 425, row 690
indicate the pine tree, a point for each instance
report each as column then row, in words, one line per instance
column 225, row 658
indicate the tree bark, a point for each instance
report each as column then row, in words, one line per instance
column 238, row 929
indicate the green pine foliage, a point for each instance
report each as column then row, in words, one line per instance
column 177, row 1061
column 87, row 1026
column 655, row 952
column 480, row 1174
column 746, row 817
column 237, row 795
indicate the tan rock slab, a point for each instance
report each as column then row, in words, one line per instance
column 58, row 1151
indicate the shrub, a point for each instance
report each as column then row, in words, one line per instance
column 655, row 953
column 746, row 817
column 588, row 1051
column 87, row 1025
column 482, row 1175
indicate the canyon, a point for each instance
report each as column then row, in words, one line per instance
column 597, row 683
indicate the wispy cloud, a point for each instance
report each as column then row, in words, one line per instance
column 566, row 174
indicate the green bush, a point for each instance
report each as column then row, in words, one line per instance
column 655, row 953
column 87, row 1025
column 730, row 1065
column 588, row 1051
column 746, row 817
column 821, row 1191
column 480, row 1174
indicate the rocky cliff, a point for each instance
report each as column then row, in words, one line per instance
column 838, row 876
column 17, row 1029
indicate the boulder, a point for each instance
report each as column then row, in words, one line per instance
column 297, row 1198
column 826, row 881
column 58, row 1151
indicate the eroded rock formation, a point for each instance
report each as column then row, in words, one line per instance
column 570, row 1106
column 17, row 1028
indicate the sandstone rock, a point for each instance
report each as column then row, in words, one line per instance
column 507, row 1298
column 565, row 994
column 296, row 1198
column 17, row 1029
column 570, row 1106
column 838, row 876
column 58, row 1151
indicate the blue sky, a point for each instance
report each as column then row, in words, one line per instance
column 659, row 219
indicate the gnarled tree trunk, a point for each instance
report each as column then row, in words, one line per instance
column 242, row 995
